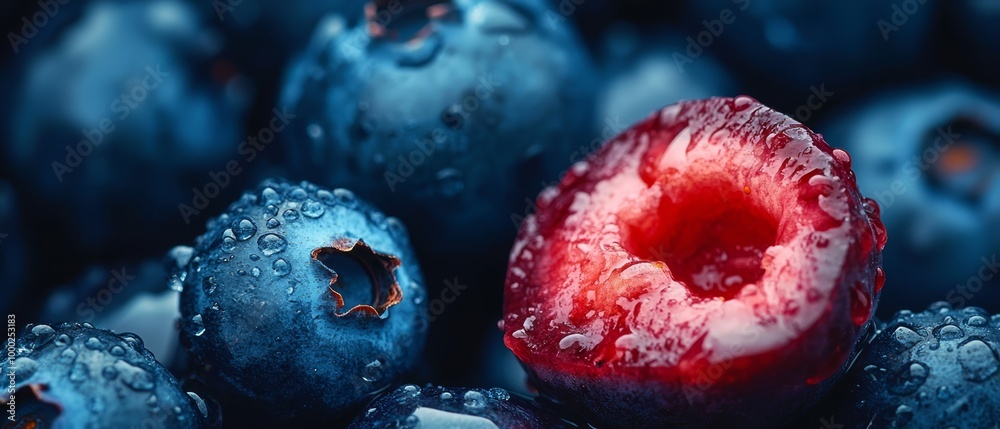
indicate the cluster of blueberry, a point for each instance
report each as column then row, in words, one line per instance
column 709, row 264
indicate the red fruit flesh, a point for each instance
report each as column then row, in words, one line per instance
column 710, row 262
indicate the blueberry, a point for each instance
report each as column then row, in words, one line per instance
column 641, row 76
column 76, row 376
column 798, row 44
column 12, row 251
column 928, row 155
column 124, row 297
column 123, row 103
column 441, row 407
column 933, row 369
column 303, row 301
column 431, row 113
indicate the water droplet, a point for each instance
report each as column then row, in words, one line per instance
column 372, row 372
column 446, row 396
column 271, row 210
column 26, row 367
column 134, row 377
column 978, row 321
column 79, row 372
column 879, row 279
column 176, row 282
column 199, row 403
column 313, row 209
column 271, row 244
column 228, row 244
column 109, row 372
column 42, row 332
column 978, row 360
column 498, row 394
column 241, row 272
column 244, row 228
column 117, row 351
column 742, row 103
column 209, row 285
column 948, row 332
column 906, row 336
column 67, row 356
column 270, row 196
column 910, row 377
column 290, row 215
column 63, row 340
column 344, row 197
column 290, row 290
column 94, row 343
column 281, row 267
column 474, row 400
column 197, row 326
column 273, row 223
column 903, row 416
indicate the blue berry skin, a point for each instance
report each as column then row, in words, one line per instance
column 797, row 44
column 640, row 77
column 303, row 300
column 935, row 369
column 12, row 251
column 442, row 407
column 73, row 375
column 89, row 156
column 939, row 198
column 438, row 120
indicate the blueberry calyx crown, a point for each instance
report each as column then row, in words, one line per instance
column 384, row 291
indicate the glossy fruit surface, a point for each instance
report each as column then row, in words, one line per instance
column 313, row 287
column 76, row 376
column 716, row 247
column 934, row 369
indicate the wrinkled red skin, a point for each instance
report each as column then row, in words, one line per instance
column 714, row 265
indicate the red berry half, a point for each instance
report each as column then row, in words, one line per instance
column 714, row 264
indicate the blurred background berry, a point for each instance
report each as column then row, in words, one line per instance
column 127, row 125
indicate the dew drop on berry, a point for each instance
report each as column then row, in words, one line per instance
column 79, row 372
column 742, row 102
column 42, row 332
column 313, row 209
column 474, row 400
column 26, row 367
column 948, row 332
column 344, row 197
column 879, row 279
column 244, row 228
column 271, row 244
column 270, row 196
column 117, row 351
column 199, row 403
column 904, row 414
column 228, row 244
column 67, row 356
column 908, row 379
column 297, row 194
column 446, row 396
column 94, row 343
column 372, row 372
column 281, row 267
column 63, row 340
column 197, row 326
column 977, row 321
column 273, row 223
column 979, row 361
column 906, row 336
column 290, row 215
column 109, row 372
